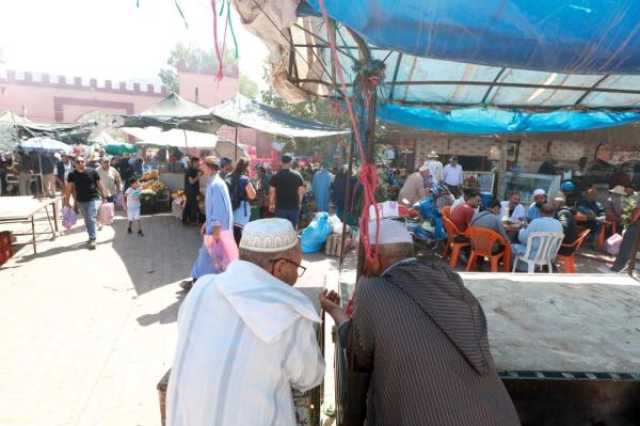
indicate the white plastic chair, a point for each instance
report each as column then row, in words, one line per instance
column 548, row 244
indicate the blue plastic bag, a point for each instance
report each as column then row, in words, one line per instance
column 315, row 235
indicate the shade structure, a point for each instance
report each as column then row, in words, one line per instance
column 173, row 112
column 8, row 130
column 42, row 145
column 456, row 62
column 176, row 113
column 172, row 138
column 244, row 112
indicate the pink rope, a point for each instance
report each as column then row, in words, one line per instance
column 368, row 172
column 214, row 8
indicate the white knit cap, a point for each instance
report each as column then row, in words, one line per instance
column 539, row 192
column 268, row 236
column 391, row 232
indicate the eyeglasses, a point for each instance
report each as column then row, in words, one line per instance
column 300, row 269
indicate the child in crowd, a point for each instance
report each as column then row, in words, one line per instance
column 132, row 204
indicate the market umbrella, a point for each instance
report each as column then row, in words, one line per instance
column 44, row 145
column 120, row 148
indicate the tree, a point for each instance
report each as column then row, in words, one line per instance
column 193, row 59
column 248, row 87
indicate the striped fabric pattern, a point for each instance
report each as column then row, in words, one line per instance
column 423, row 336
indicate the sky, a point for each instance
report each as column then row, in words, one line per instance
column 111, row 39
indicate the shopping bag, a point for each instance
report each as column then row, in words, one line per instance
column 222, row 250
column 613, row 244
column 69, row 218
column 105, row 214
column 315, row 235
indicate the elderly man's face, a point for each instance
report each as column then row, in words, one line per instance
column 539, row 199
column 105, row 165
column 286, row 268
column 515, row 200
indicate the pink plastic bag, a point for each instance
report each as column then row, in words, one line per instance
column 613, row 244
column 69, row 218
column 105, row 214
column 222, row 251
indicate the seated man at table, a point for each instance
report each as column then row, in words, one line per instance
column 461, row 216
column 417, row 346
column 545, row 223
column 490, row 219
column 539, row 198
column 512, row 209
column 593, row 210
column 568, row 221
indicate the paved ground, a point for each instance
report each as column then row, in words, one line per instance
column 87, row 334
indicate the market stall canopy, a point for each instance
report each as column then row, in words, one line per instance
column 8, row 132
column 173, row 112
column 244, row 112
column 185, row 140
column 172, row 138
column 176, row 113
column 44, row 145
column 472, row 67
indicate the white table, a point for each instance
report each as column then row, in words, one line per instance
column 24, row 210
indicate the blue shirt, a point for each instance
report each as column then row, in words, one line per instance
column 217, row 204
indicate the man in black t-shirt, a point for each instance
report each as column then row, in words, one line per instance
column 286, row 192
column 84, row 184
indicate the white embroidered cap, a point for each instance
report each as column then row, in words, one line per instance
column 391, row 232
column 268, row 236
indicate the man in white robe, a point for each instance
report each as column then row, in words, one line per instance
column 246, row 337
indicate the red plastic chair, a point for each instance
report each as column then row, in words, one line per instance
column 483, row 241
column 569, row 262
column 452, row 245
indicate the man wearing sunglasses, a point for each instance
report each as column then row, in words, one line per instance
column 246, row 337
column 87, row 190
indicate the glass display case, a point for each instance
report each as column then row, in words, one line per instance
column 526, row 183
column 485, row 180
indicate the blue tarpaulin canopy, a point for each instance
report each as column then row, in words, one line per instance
column 488, row 66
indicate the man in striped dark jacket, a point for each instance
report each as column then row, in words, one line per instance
column 417, row 346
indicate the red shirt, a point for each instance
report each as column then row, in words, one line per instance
column 462, row 216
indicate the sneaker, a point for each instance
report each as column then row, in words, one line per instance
column 186, row 285
column 92, row 244
column 140, row 234
column 129, row 231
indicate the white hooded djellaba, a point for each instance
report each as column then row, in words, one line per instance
column 245, row 339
